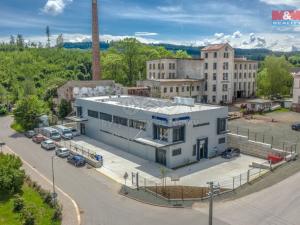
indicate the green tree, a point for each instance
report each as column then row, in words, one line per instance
column 12, row 40
column 28, row 88
column 28, row 110
column 275, row 77
column 48, row 36
column 11, row 174
column 3, row 94
column 20, row 41
column 64, row 108
column 60, row 41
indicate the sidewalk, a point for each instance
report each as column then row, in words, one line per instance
column 71, row 214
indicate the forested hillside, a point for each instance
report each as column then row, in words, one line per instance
column 32, row 70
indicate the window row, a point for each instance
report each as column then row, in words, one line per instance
column 161, row 66
column 162, row 75
column 118, row 120
column 182, row 89
column 250, row 75
column 246, row 66
column 215, row 55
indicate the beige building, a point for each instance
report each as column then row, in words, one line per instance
column 79, row 89
column 296, row 90
column 222, row 78
column 170, row 88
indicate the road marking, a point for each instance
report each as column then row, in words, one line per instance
column 50, row 182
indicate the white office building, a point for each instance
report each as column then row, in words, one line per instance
column 171, row 133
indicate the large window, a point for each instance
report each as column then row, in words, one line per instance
column 221, row 125
column 178, row 133
column 106, row 117
column 160, row 133
column 121, row 120
column 137, row 124
column 194, row 150
column 93, row 114
column 176, row 152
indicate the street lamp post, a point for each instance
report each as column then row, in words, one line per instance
column 53, row 180
column 1, row 145
column 213, row 190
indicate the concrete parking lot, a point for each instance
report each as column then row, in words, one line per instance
column 276, row 124
column 117, row 162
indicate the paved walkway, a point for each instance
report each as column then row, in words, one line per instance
column 71, row 214
column 117, row 162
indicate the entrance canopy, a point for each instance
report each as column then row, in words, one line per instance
column 76, row 119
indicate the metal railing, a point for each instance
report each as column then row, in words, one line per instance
column 175, row 190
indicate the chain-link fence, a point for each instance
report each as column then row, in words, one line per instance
column 274, row 142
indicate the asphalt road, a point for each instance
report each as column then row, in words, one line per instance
column 96, row 194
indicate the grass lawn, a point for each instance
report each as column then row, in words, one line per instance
column 17, row 127
column 43, row 213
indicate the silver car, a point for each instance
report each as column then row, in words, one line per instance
column 62, row 152
column 48, row 144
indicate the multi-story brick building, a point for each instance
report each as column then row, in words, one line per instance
column 220, row 76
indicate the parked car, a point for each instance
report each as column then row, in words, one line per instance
column 75, row 132
column 76, row 160
column 62, row 152
column 48, row 144
column 231, row 152
column 38, row 138
column 65, row 132
column 30, row 133
column 296, row 126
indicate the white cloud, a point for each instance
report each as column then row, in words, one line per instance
column 219, row 35
column 169, row 9
column 55, row 7
column 237, row 34
column 275, row 42
column 295, row 3
column 145, row 34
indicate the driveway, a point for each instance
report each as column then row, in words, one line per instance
column 117, row 162
column 96, row 194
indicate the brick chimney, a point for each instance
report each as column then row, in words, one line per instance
column 96, row 51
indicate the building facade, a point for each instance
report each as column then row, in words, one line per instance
column 170, row 88
column 171, row 133
column 223, row 77
column 79, row 89
column 296, row 90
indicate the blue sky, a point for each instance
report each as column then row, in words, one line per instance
column 243, row 23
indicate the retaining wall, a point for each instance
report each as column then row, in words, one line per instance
column 249, row 147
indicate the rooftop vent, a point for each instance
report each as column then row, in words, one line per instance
column 184, row 101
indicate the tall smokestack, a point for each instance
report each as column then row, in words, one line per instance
column 96, row 50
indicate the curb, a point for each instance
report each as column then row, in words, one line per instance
column 148, row 203
column 48, row 181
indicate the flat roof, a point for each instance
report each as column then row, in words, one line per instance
column 176, row 80
column 167, row 107
column 260, row 101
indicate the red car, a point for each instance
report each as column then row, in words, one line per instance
column 38, row 138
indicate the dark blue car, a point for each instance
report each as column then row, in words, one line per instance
column 76, row 160
column 296, row 126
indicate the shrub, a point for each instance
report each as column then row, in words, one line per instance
column 28, row 215
column 47, row 198
column 57, row 216
column 18, row 203
column 11, row 174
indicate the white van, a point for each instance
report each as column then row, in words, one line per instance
column 51, row 133
column 65, row 132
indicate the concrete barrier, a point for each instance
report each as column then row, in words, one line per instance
column 253, row 148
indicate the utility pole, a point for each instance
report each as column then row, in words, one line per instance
column 213, row 190
column 53, row 183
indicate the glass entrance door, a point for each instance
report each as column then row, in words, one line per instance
column 202, row 149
